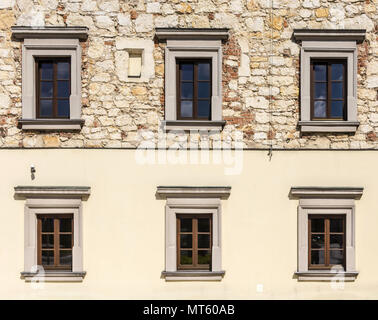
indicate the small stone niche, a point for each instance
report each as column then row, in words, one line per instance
column 135, row 64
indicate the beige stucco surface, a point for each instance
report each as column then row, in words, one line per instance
column 123, row 223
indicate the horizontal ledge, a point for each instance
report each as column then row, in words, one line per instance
column 329, row 34
column 23, row 192
column 50, row 124
column 164, row 192
column 328, row 126
column 193, row 125
column 191, row 33
column 326, row 275
column 326, row 192
column 54, row 276
column 193, row 275
column 56, row 32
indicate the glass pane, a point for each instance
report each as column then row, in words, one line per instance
column 186, row 109
column 186, row 71
column 45, row 108
column 186, row 241
column 65, row 257
column 317, row 256
column 337, row 109
column 204, row 90
column 317, row 225
column 336, row 241
column 203, row 225
column 317, row 241
column 47, row 257
column 336, row 225
column 204, row 71
column 203, row 241
column 320, row 109
column 337, row 90
column 65, row 241
column 337, row 71
column 47, row 241
column 63, row 108
column 47, row 225
column 204, row 108
column 186, row 90
column 63, row 89
column 320, row 90
column 186, row 257
column 204, row 256
column 65, row 225
column 186, row 225
column 320, row 72
column 46, row 89
column 336, row 256
column 63, row 70
column 46, row 70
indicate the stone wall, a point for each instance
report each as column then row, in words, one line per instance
column 260, row 65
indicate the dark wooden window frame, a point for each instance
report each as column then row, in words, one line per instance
column 328, row 100
column 327, row 265
column 195, row 88
column 195, row 265
column 56, row 233
column 55, row 98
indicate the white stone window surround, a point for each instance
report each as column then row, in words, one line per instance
column 50, row 42
column 329, row 201
column 52, row 200
column 329, row 44
column 196, row 44
column 192, row 200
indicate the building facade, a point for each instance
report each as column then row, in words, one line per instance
column 202, row 149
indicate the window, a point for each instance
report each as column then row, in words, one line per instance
column 328, row 79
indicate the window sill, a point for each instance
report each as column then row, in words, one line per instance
column 328, row 126
column 193, row 125
column 193, row 275
column 326, row 275
column 53, row 276
column 50, row 124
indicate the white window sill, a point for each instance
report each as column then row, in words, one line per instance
column 328, row 126
column 53, row 276
column 193, row 125
column 326, row 275
column 50, row 124
column 193, row 275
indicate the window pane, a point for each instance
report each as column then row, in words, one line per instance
column 46, row 70
column 47, row 241
column 203, row 225
column 320, row 72
column 65, row 258
column 336, row 256
column 336, row 241
column 337, row 71
column 317, row 225
column 320, row 109
column 63, row 89
column 204, row 90
column 186, row 71
column 337, row 109
column 204, row 71
column 337, row 90
column 204, row 109
column 63, row 108
column 185, row 225
column 317, row 241
column 47, row 257
column 336, row 225
column 204, row 256
column 186, row 257
column 47, row 225
column 65, row 225
column 320, row 91
column 45, row 108
column 63, row 70
column 186, row 109
column 203, row 241
column 65, row 241
column 186, row 90
column 317, row 256
column 186, row 241
column 46, row 89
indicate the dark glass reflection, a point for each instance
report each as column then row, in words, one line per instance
column 336, row 257
column 317, row 225
column 204, row 108
column 186, row 71
column 63, row 108
column 186, row 90
column 46, row 70
column 47, row 225
column 204, row 90
column 320, row 91
column 336, row 241
column 337, row 90
column 63, row 69
column 47, row 241
column 63, row 89
column 65, row 225
column 185, row 225
column 337, row 109
column 320, row 72
column 204, row 71
column 317, row 241
column 203, row 225
column 186, row 241
column 46, row 89
column 203, row 241
column 47, row 257
column 186, row 257
column 336, row 225
column 65, row 257
column 45, row 108
column 204, row 256
column 337, row 71
column 65, row 241
column 317, row 256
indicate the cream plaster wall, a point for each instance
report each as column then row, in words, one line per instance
column 123, row 230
